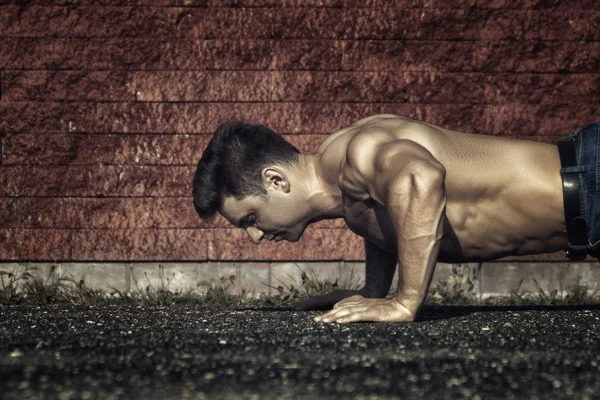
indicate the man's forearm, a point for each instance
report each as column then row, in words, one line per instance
column 418, row 215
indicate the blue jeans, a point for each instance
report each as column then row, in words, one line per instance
column 587, row 150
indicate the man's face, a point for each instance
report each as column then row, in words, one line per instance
column 279, row 216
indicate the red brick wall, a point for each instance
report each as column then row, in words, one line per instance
column 107, row 105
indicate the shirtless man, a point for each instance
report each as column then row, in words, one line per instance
column 417, row 193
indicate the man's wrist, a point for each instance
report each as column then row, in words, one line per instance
column 412, row 305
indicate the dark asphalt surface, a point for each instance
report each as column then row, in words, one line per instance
column 200, row 352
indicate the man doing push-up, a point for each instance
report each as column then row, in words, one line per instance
column 416, row 192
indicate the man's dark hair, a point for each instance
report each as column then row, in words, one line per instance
column 232, row 162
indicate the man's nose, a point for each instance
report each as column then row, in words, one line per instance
column 255, row 234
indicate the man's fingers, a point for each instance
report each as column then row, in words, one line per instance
column 334, row 315
column 361, row 316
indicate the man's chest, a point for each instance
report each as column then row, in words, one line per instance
column 371, row 221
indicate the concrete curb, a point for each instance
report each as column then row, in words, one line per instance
column 479, row 280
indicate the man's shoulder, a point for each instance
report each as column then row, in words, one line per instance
column 349, row 131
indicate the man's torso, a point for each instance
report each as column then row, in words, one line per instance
column 504, row 196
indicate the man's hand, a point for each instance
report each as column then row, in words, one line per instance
column 326, row 301
column 358, row 308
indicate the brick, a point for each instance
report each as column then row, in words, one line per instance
column 479, row 56
column 88, row 21
column 46, row 117
column 66, row 85
column 158, row 118
column 39, row 245
column 510, row 119
column 538, row 4
column 139, row 244
column 211, row 23
column 9, row 212
column 311, row 23
column 109, row 213
column 184, row 118
column 112, row 3
column 108, row 149
column 520, row 4
column 285, row 118
column 505, row 119
column 140, row 22
column 518, row 119
column 306, row 143
column 315, row 244
column 434, row 24
column 486, row 4
column 325, row 55
column 207, row 86
column 168, row 54
column 8, row 183
column 290, row 118
column 113, row 213
column 250, row 54
column 90, row 181
column 370, row 87
column 100, row 181
column 417, row 87
column 468, row 24
column 563, row 24
column 103, row 244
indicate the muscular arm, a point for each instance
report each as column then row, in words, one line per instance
column 417, row 206
column 404, row 177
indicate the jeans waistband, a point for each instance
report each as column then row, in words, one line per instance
column 576, row 224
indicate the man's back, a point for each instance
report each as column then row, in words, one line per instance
column 504, row 196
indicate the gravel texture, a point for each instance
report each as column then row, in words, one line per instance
column 187, row 351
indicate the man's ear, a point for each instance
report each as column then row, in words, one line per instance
column 276, row 178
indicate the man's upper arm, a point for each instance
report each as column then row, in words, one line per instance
column 379, row 160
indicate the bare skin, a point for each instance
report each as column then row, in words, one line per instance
column 417, row 193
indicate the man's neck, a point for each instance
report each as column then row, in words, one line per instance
column 324, row 197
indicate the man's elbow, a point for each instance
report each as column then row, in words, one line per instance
column 427, row 171
column 426, row 178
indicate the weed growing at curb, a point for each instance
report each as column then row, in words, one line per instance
column 458, row 289
column 22, row 286
column 310, row 286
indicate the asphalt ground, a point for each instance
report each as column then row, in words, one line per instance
column 186, row 351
